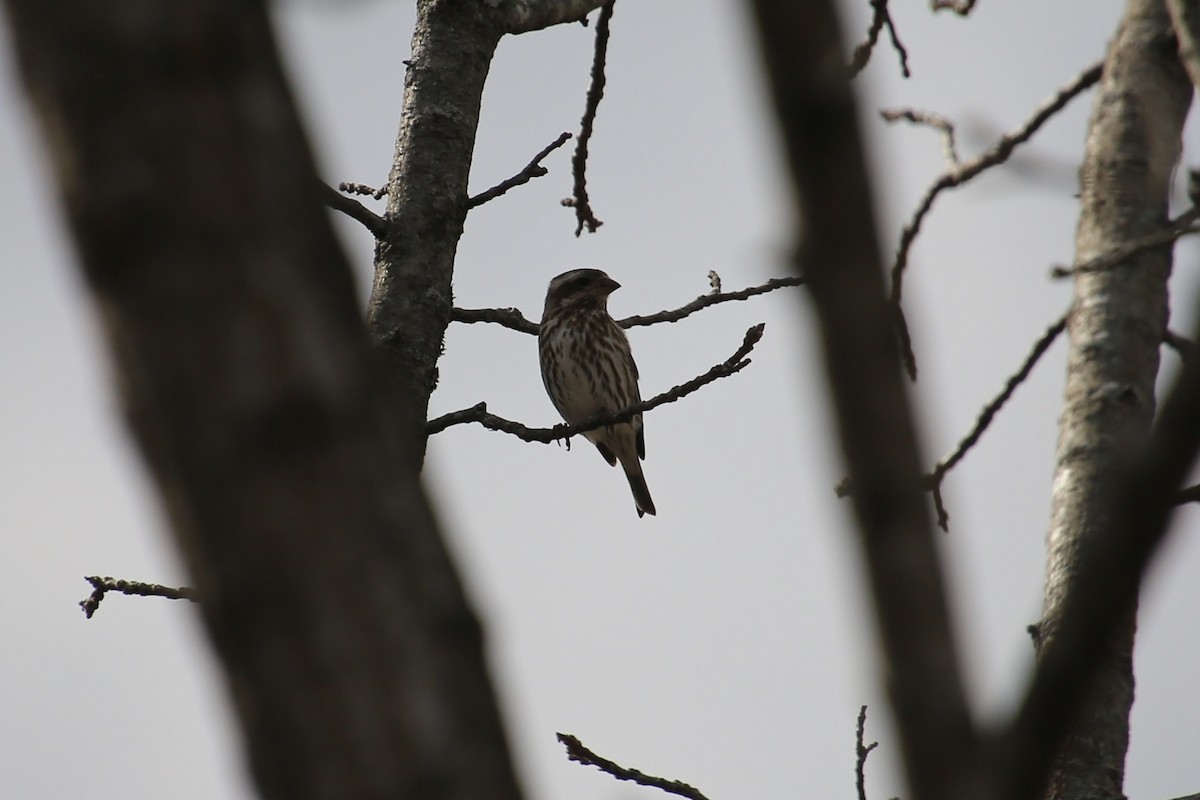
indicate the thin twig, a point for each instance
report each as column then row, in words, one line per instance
column 101, row 586
column 533, row 169
column 583, row 209
column 861, row 752
column 513, row 319
column 862, row 53
column 932, row 120
column 578, row 753
column 963, row 172
column 960, row 7
column 986, row 416
column 1183, row 225
column 479, row 413
column 376, row 224
column 363, row 189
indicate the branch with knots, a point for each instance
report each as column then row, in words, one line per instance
column 102, row 586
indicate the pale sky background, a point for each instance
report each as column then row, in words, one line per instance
column 725, row 642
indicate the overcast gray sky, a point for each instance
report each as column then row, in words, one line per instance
column 725, row 642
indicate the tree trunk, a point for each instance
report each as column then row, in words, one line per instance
column 356, row 666
column 1116, row 328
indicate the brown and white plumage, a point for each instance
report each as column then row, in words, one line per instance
column 588, row 368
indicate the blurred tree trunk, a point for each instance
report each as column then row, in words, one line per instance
column 1116, row 328
column 286, row 447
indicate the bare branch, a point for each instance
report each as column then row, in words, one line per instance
column 376, row 224
column 525, row 16
column 363, row 189
column 510, row 318
column 963, row 172
column 861, row 752
column 533, row 169
column 582, row 755
column 862, row 53
column 101, row 586
column 478, row 413
column 987, row 415
column 960, row 7
column 583, row 209
column 932, row 120
column 513, row 319
column 1183, row 225
column 706, row 300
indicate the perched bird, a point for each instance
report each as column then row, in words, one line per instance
column 587, row 368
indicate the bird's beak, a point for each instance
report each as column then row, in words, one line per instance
column 611, row 285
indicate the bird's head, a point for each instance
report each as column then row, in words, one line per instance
column 584, row 287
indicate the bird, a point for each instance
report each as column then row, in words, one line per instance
column 588, row 368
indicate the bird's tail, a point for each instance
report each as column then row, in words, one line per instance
column 637, row 482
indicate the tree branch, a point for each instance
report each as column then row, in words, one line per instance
column 578, row 753
column 374, row 223
column 101, row 586
column 533, row 169
column 479, row 413
column 513, row 319
column 1183, row 225
column 880, row 19
column 525, row 16
column 712, row 299
column 986, row 416
column 583, row 210
column 861, row 751
column 959, row 174
column 931, row 120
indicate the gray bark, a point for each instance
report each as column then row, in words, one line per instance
column 1116, row 328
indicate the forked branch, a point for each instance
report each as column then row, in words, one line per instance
column 479, row 413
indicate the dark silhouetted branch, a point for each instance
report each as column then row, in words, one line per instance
column 363, row 189
column 479, row 413
column 513, row 319
column 583, row 210
column 931, row 120
column 101, row 586
column 533, row 169
column 986, row 416
column 960, row 174
column 706, row 300
column 581, row 755
column 376, row 224
column 862, row 53
column 861, row 752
